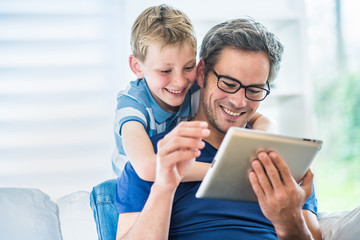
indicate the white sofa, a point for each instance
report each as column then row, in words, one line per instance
column 30, row 214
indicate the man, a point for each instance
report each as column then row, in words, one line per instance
column 239, row 59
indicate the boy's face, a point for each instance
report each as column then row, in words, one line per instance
column 170, row 72
column 223, row 110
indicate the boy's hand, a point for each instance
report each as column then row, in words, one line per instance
column 177, row 152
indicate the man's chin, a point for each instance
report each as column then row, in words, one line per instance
column 229, row 124
column 225, row 127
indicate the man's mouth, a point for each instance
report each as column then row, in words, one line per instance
column 231, row 113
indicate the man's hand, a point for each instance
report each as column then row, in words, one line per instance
column 281, row 199
column 177, row 152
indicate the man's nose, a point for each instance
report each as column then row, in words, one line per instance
column 238, row 99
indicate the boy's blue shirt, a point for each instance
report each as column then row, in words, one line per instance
column 137, row 104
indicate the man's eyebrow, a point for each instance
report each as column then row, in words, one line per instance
column 258, row 85
column 262, row 85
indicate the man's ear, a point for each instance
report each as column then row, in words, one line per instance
column 135, row 66
column 200, row 73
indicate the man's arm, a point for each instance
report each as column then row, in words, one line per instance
column 154, row 220
column 176, row 155
column 281, row 198
column 312, row 223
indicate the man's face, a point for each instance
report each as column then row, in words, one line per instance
column 224, row 110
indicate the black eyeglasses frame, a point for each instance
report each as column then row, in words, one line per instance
column 218, row 76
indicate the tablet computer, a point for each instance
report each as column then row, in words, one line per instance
column 227, row 178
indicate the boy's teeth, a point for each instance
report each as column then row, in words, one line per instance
column 173, row 91
column 230, row 112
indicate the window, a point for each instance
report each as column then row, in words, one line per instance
column 60, row 63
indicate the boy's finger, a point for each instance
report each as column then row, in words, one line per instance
column 195, row 124
column 190, row 129
column 178, row 142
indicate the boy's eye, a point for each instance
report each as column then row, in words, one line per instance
column 190, row 68
column 165, row 71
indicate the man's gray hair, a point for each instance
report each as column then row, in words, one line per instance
column 245, row 34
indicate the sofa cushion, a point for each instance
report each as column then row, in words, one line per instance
column 28, row 214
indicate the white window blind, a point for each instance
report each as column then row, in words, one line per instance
column 60, row 65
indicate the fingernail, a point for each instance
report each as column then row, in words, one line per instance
column 262, row 156
column 203, row 124
column 272, row 154
column 205, row 132
column 252, row 175
column 255, row 164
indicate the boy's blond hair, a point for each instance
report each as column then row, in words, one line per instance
column 162, row 24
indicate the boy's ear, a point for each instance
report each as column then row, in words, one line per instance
column 135, row 66
column 200, row 73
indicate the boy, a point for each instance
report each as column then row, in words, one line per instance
column 164, row 61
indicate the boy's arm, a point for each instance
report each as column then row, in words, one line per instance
column 139, row 149
column 260, row 122
column 197, row 172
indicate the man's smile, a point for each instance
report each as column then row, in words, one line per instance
column 230, row 112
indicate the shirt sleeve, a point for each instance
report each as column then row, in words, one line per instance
column 131, row 191
column 129, row 109
column 311, row 202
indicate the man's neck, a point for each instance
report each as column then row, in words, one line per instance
column 214, row 141
column 216, row 137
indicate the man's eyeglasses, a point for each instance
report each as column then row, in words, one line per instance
column 231, row 85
